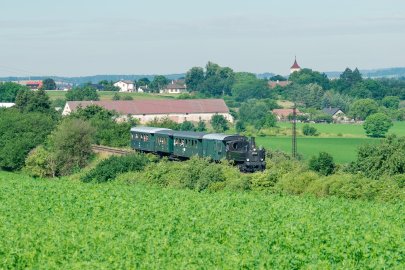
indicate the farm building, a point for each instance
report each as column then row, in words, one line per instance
column 146, row 110
column 282, row 114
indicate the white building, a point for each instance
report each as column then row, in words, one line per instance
column 178, row 110
column 6, row 104
column 125, row 86
column 175, row 87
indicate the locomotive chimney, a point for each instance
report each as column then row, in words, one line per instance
column 252, row 142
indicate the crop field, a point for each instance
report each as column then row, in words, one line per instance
column 49, row 224
column 108, row 95
column 343, row 150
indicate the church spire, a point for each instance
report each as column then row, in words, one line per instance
column 295, row 66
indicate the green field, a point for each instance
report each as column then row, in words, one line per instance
column 108, row 95
column 345, row 130
column 56, row 224
column 339, row 140
column 343, row 150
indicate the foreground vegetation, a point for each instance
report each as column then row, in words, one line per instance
column 47, row 224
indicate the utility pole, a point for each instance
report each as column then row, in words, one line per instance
column 294, row 132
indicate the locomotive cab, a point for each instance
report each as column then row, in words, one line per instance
column 246, row 155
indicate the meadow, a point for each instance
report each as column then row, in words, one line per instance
column 49, row 224
column 108, row 95
column 339, row 140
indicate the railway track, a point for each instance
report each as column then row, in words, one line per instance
column 110, row 150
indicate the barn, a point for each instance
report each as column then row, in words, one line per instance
column 177, row 110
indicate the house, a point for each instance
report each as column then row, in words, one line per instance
column 337, row 114
column 175, row 87
column 143, row 89
column 178, row 110
column 273, row 84
column 6, row 104
column 283, row 114
column 33, row 85
column 125, row 86
column 295, row 67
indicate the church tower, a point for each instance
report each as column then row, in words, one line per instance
column 295, row 67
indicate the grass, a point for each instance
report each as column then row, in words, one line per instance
column 48, row 224
column 108, row 95
column 344, row 130
column 339, row 140
column 343, row 150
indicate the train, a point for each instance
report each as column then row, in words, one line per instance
column 182, row 145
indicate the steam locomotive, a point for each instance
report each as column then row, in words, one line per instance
column 185, row 144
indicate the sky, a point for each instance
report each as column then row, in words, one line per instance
column 89, row 37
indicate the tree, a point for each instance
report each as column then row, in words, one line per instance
column 347, row 80
column 143, row 82
column 71, row 144
column 19, row 134
column 391, row 102
column 247, row 86
column 48, row 84
column 362, row 108
column 257, row 113
column 219, row 123
column 240, row 126
column 108, row 86
column 194, row 78
column 29, row 101
column 108, row 131
column 377, row 125
column 82, row 93
column 277, row 78
column 158, row 83
column 307, row 76
column 9, row 91
column 323, row 164
column 187, row 126
column 201, row 126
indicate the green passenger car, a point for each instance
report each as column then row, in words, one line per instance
column 144, row 139
column 187, row 144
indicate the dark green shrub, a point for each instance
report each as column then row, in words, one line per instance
column 240, row 126
column 323, row 164
column 108, row 169
column 308, row 130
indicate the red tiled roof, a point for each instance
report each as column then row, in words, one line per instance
column 164, row 106
column 284, row 112
column 295, row 65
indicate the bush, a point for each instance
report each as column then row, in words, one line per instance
column 323, row 163
column 308, row 130
column 386, row 158
column 41, row 163
column 187, row 126
column 108, row 169
column 71, row 144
